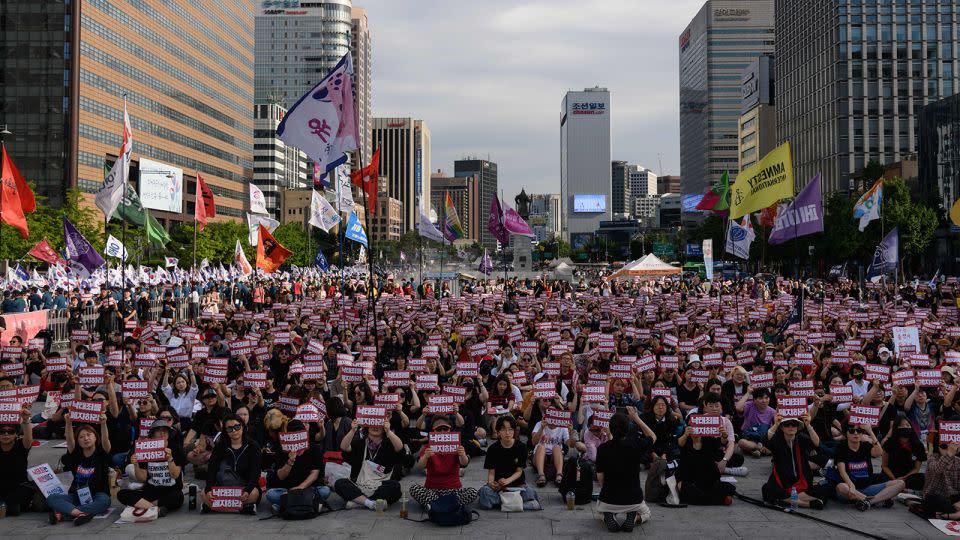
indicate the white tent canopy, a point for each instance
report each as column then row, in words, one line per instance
column 647, row 266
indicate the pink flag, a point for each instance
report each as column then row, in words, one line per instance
column 495, row 222
column 515, row 224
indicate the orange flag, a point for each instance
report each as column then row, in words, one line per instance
column 270, row 253
column 367, row 179
column 17, row 196
column 204, row 206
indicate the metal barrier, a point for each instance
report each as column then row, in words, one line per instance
column 58, row 319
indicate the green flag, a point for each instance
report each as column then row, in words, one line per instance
column 130, row 209
column 156, row 234
column 723, row 190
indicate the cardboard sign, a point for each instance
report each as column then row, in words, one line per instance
column 10, row 412
column 388, row 400
column 441, row 404
column 905, row 338
column 55, row 364
column 865, row 415
column 313, row 372
column 468, row 369
column 661, row 392
column 519, row 378
column 396, row 379
column 288, row 403
column 295, row 441
column 307, row 413
column 557, row 417
column 90, row 375
column 444, row 443
column 544, row 389
column 792, row 406
column 226, row 499
column 761, row 380
column 841, row 393
column 621, row 370
column 371, row 415
column 805, row 388
column 929, row 378
column 705, row 425
column 551, row 369
column 602, row 418
column 594, row 394
column 876, row 372
column 14, row 369
column 255, row 379
column 904, row 377
column 46, row 480
column 950, row 431
column 147, row 450
column 417, row 365
column 647, row 363
column 700, row 376
column 134, row 389
column 352, row 374
column 712, row 359
column 87, row 412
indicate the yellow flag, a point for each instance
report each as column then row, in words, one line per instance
column 764, row 183
column 955, row 213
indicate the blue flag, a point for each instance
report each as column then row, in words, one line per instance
column 82, row 257
column 21, row 273
column 886, row 255
column 321, row 262
column 355, row 230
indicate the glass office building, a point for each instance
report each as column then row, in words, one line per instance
column 853, row 77
column 939, row 161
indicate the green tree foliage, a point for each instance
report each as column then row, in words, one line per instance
column 47, row 223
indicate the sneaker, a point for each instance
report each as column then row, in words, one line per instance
column 55, row 517
column 162, row 511
column 351, row 505
column 611, row 522
column 275, row 509
column 532, row 506
column 644, row 513
column 736, row 471
column 862, row 505
column 816, row 504
column 628, row 522
column 249, row 510
column 82, row 519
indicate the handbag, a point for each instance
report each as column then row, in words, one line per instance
column 511, row 501
column 371, row 475
column 333, row 471
column 132, row 514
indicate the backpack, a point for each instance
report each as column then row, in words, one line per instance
column 299, row 504
column 578, row 478
column 447, row 511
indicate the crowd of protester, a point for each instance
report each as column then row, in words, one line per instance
column 297, row 383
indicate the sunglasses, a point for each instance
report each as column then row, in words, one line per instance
column 166, row 418
column 8, row 432
column 231, row 429
column 856, row 430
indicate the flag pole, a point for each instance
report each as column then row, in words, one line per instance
column 503, row 247
column 4, row 148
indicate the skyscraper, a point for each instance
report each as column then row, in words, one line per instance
column 643, row 181
column 486, row 172
column 186, row 69
column 362, row 47
column 620, row 189
column 585, row 188
column 853, row 77
column 464, row 191
column 722, row 40
column 278, row 167
column 405, row 162
column 545, row 216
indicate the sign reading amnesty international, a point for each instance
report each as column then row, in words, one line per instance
column 766, row 182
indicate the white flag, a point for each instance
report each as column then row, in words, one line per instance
column 253, row 224
column 111, row 192
column 241, row 260
column 258, row 204
column 322, row 215
column 204, row 263
column 323, row 122
column 171, row 261
column 344, row 192
column 428, row 230
column 739, row 237
column 115, row 248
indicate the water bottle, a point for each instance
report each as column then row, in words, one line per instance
column 571, row 500
column 794, row 499
column 192, row 500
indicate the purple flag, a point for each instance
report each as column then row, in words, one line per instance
column 486, row 264
column 495, row 222
column 801, row 216
column 81, row 255
column 515, row 224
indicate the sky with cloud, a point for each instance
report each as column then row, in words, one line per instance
column 488, row 77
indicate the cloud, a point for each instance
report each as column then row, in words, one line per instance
column 488, row 77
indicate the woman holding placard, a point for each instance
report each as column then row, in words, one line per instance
column 372, row 456
column 16, row 492
column 234, row 463
column 88, row 458
column 855, row 479
column 162, row 477
column 442, row 469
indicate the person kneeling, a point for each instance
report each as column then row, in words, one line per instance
column 162, row 480
column 618, row 471
column 443, row 472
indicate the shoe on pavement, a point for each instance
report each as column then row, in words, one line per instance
column 82, row 519
column 862, row 505
column 55, row 517
column 610, row 520
column 629, row 521
column 736, row 471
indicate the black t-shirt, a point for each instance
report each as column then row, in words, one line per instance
column 621, row 480
column 688, row 397
column 384, row 455
column 88, row 471
column 902, row 457
column 158, row 472
column 205, row 422
column 506, row 461
column 859, row 464
column 13, row 466
column 306, row 462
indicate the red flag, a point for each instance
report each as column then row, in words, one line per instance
column 367, row 179
column 270, row 253
column 768, row 216
column 17, row 196
column 710, row 199
column 44, row 252
column 204, row 206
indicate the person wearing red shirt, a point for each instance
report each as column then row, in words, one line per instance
column 443, row 472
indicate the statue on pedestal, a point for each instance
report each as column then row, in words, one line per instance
column 523, row 204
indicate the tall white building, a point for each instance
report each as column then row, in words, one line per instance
column 404, row 163
column 643, row 181
column 276, row 166
column 585, row 190
column 362, row 47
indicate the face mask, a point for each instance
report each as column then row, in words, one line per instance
column 904, row 432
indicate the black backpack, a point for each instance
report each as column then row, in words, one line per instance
column 299, row 504
column 578, row 478
column 447, row 511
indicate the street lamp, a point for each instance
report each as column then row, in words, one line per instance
column 4, row 133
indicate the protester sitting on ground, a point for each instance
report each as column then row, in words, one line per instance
column 757, row 419
column 442, row 471
column 372, row 453
column 162, row 480
column 667, row 426
column 904, row 454
column 791, row 449
column 505, row 463
column 618, row 471
column 16, row 490
column 88, row 458
column 854, row 477
column 729, row 460
column 234, row 462
column 550, row 441
column 698, row 478
column 941, row 492
column 295, row 471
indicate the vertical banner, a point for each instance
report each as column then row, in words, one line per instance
column 708, row 258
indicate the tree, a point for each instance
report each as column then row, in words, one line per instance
column 47, row 222
column 871, row 172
